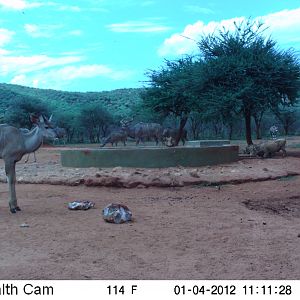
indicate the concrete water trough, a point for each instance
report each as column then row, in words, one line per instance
column 207, row 143
column 149, row 157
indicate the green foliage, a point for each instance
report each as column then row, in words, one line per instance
column 67, row 107
column 17, row 111
column 246, row 74
column 119, row 102
column 171, row 88
column 287, row 115
column 94, row 119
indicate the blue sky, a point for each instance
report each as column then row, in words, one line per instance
column 96, row 45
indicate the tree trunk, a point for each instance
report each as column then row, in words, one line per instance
column 257, row 129
column 183, row 121
column 194, row 125
column 248, row 127
column 258, row 120
column 230, row 131
column 286, row 127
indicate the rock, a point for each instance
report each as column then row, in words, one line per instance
column 117, row 213
column 194, row 173
column 24, row 225
column 116, row 169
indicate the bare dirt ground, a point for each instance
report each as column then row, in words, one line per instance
column 233, row 221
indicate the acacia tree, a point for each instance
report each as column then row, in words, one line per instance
column 171, row 90
column 246, row 68
column 95, row 120
column 20, row 108
column 195, row 122
column 287, row 116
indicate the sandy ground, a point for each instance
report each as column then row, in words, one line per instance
column 209, row 223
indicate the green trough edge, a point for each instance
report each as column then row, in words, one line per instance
column 149, row 157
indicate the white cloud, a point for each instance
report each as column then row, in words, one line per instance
column 19, row 4
column 5, row 36
column 71, row 8
column 27, row 64
column 19, row 79
column 75, row 32
column 25, row 4
column 198, row 9
column 4, row 52
column 58, row 78
column 186, row 41
column 37, row 31
column 137, row 26
column 284, row 27
column 87, row 71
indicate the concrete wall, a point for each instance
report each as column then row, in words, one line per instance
column 206, row 143
column 155, row 157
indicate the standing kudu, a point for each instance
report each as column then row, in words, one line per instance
column 25, row 130
column 142, row 131
column 14, row 144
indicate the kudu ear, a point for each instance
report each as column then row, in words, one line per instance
column 50, row 119
column 34, row 118
column 41, row 119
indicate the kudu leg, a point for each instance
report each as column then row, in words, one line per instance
column 11, row 176
column 27, row 158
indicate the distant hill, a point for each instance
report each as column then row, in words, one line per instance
column 118, row 102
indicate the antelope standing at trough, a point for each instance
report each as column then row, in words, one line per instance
column 142, row 131
column 14, row 144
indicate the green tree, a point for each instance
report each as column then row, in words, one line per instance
column 246, row 73
column 287, row 116
column 95, row 120
column 171, row 90
column 67, row 119
column 20, row 108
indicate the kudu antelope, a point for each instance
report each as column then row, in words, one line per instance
column 61, row 134
column 170, row 135
column 14, row 144
column 26, row 130
column 115, row 137
column 142, row 131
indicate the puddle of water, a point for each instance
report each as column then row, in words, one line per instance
column 287, row 178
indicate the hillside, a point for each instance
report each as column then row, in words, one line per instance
column 118, row 102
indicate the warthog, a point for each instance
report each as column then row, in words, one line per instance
column 170, row 134
column 143, row 131
column 115, row 137
column 267, row 148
